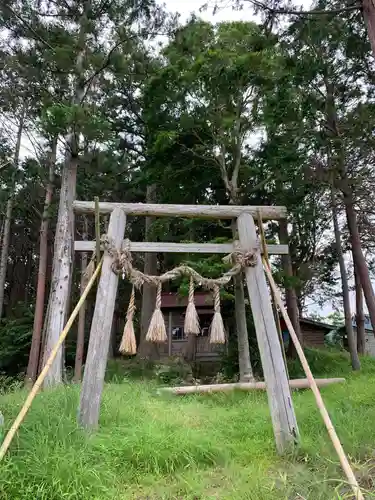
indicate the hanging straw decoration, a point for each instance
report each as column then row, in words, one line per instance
column 128, row 343
column 191, row 325
column 156, row 330
column 217, row 335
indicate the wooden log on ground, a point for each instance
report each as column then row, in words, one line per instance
column 298, row 383
column 279, row 396
column 165, row 247
column 100, row 334
column 167, row 210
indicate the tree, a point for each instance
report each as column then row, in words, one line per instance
column 361, row 11
column 32, row 368
column 5, row 241
column 213, row 81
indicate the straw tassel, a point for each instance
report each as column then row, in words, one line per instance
column 217, row 335
column 191, row 325
column 128, row 343
column 156, row 330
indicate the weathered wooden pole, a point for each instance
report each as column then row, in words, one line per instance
column 100, row 334
column 279, row 396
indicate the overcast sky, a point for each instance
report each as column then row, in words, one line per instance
column 186, row 7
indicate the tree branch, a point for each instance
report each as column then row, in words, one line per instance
column 4, row 165
column 313, row 12
column 237, row 149
column 25, row 23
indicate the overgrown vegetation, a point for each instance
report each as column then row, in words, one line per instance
column 197, row 447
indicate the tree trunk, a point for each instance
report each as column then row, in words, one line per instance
column 64, row 237
column 347, row 191
column 8, row 215
column 368, row 10
column 360, row 316
column 244, row 361
column 356, row 365
column 358, row 257
column 290, row 293
column 148, row 350
column 32, row 368
column 82, row 314
column 61, row 272
column 190, row 348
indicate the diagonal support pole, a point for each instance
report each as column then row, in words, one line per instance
column 314, row 387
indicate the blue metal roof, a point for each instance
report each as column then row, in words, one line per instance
column 368, row 325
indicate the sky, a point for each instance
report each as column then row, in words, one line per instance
column 186, row 7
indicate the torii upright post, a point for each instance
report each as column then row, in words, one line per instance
column 97, row 354
column 279, row 397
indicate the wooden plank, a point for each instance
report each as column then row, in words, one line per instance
column 165, row 247
column 199, row 211
column 298, row 383
column 100, row 334
column 278, row 391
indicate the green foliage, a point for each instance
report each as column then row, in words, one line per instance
column 58, row 118
column 15, row 340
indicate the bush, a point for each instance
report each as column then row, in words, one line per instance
column 328, row 363
column 15, row 340
column 171, row 371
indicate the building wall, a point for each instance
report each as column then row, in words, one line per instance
column 204, row 350
column 312, row 336
column 370, row 343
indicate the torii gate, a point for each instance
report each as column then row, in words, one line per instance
column 278, row 390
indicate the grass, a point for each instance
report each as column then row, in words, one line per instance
column 196, row 447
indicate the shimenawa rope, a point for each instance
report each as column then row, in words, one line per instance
column 123, row 265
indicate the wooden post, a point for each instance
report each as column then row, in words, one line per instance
column 93, row 379
column 97, row 229
column 278, row 391
column 170, row 333
column 81, row 325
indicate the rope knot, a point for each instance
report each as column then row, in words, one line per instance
column 250, row 258
column 107, row 244
column 242, row 259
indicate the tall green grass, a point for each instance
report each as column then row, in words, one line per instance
column 196, row 447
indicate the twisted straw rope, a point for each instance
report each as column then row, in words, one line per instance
column 191, row 291
column 158, row 296
column 122, row 264
column 216, row 294
column 131, row 307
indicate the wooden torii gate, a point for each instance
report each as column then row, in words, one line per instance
column 279, row 396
